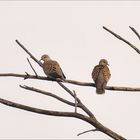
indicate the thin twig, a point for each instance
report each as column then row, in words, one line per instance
column 124, row 40
column 38, row 62
column 48, row 94
column 75, row 101
column 87, row 131
column 134, row 30
column 32, row 67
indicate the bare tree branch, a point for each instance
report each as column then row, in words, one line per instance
column 25, row 76
column 124, row 40
column 80, row 83
column 79, row 104
column 87, row 131
column 83, row 107
column 117, row 88
column 38, row 62
column 42, row 111
column 48, row 94
column 90, row 120
column 29, row 76
column 134, row 30
column 32, row 67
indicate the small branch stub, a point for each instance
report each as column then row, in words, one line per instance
column 134, row 30
column 93, row 130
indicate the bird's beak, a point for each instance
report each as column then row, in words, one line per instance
column 107, row 64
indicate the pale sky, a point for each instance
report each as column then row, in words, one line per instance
column 71, row 33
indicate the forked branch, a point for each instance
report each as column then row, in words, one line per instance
column 90, row 120
column 121, row 38
column 83, row 107
column 42, row 111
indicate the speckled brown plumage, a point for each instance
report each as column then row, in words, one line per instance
column 101, row 75
column 51, row 68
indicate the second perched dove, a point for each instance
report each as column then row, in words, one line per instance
column 101, row 75
column 51, row 68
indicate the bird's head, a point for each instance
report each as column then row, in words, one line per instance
column 45, row 57
column 103, row 62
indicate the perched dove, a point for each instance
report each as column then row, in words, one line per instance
column 51, row 68
column 101, row 75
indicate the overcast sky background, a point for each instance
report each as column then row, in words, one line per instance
column 72, row 34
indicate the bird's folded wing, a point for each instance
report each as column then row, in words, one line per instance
column 96, row 72
column 53, row 69
column 106, row 73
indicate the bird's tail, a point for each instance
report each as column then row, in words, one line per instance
column 100, row 91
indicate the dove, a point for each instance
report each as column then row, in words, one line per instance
column 101, row 75
column 52, row 68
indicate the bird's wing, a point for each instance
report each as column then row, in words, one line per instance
column 54, row 69
column 96, row 72
column 106, row 73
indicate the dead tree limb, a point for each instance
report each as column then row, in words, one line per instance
column 83, row 107
column 79, row 104
column 30, row 76
column 41, row 111
column 65, row 114
column 121, row 38
column 90, row 119
column 48, row 94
